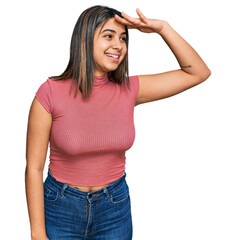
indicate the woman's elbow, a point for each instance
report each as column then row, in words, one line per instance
column 206, row 74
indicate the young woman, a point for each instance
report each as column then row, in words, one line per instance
column 85, row 194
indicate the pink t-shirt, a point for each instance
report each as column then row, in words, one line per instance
column 89, row 137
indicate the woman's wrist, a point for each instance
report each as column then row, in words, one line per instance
column 165, row 27
column 39, row 236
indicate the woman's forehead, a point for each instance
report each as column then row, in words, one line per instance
column 113, row 25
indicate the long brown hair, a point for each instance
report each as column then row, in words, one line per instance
column 81, row 63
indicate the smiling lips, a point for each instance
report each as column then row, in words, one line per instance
column 113, row 57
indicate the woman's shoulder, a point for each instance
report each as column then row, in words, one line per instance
column 56, row 81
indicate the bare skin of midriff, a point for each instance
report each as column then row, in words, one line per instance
column 89, row 188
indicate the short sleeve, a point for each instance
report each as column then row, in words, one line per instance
column 44, row 96
column 134, row 84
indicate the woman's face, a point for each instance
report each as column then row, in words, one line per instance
column 109, row 47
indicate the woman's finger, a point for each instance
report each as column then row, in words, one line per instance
column 130, row 25
column 123, row 21
column 141, row 15
column 130, row 19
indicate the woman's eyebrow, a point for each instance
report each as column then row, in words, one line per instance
column 111, row 30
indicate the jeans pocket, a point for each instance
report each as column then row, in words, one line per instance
column 50, row 193
column 120, row 195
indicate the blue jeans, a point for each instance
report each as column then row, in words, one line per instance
column 104, row 214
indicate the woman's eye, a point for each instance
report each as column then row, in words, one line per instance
column 110, row 36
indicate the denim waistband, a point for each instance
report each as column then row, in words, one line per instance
column 103, row 192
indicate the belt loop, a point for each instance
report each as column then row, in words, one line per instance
column 63, row 189
column 106, row 193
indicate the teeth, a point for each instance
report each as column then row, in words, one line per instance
column 114, row 56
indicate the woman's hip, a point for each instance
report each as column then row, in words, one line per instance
column 71, row 213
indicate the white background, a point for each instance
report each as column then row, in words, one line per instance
column 180, row 170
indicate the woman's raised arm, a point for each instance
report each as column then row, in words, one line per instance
column 192, row 70
column 38, row 133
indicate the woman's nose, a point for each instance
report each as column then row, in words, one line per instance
column 117, row 44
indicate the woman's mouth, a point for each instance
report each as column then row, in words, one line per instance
column 113, row 57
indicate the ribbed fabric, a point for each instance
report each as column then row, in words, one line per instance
column 89, row 137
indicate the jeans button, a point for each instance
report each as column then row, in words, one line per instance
column 90, row 195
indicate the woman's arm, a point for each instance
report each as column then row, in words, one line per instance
column 188, row 59
column 192, row 70
column 38, row 132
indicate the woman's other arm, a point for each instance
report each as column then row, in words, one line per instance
column 38, row 133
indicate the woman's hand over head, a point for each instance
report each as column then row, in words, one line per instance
column 142, row 23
